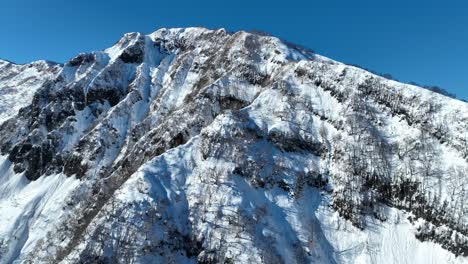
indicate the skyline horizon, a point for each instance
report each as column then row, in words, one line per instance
column 421, row 41
column 385, row 75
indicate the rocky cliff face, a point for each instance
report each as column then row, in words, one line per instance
column 196, row 145
column 18, row 83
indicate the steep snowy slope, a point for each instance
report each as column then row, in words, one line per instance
column 196, row 145
column 18, row 83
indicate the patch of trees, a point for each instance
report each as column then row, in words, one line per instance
column 384, row 75
column 365, row 158
column 433, row 88
column 407, row 176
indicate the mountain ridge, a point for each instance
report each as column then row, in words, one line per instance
column 207, row 144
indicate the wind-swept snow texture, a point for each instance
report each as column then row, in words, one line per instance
column 203, row 146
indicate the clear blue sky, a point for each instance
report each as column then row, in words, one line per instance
column 422, row 41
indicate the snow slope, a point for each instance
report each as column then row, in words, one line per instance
column 194, row 145
column 18, row 83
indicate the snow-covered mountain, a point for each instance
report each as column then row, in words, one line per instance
column 195, row 145
column 18, row 83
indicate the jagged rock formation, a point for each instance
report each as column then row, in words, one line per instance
column 197, row 145
column 18, row 83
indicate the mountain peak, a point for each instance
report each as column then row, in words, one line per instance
column 196, row 145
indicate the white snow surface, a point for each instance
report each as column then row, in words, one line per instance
column 192, row 194
column 18, row 83
column 29, row 209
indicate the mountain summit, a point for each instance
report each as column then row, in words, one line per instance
column 194, row 145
